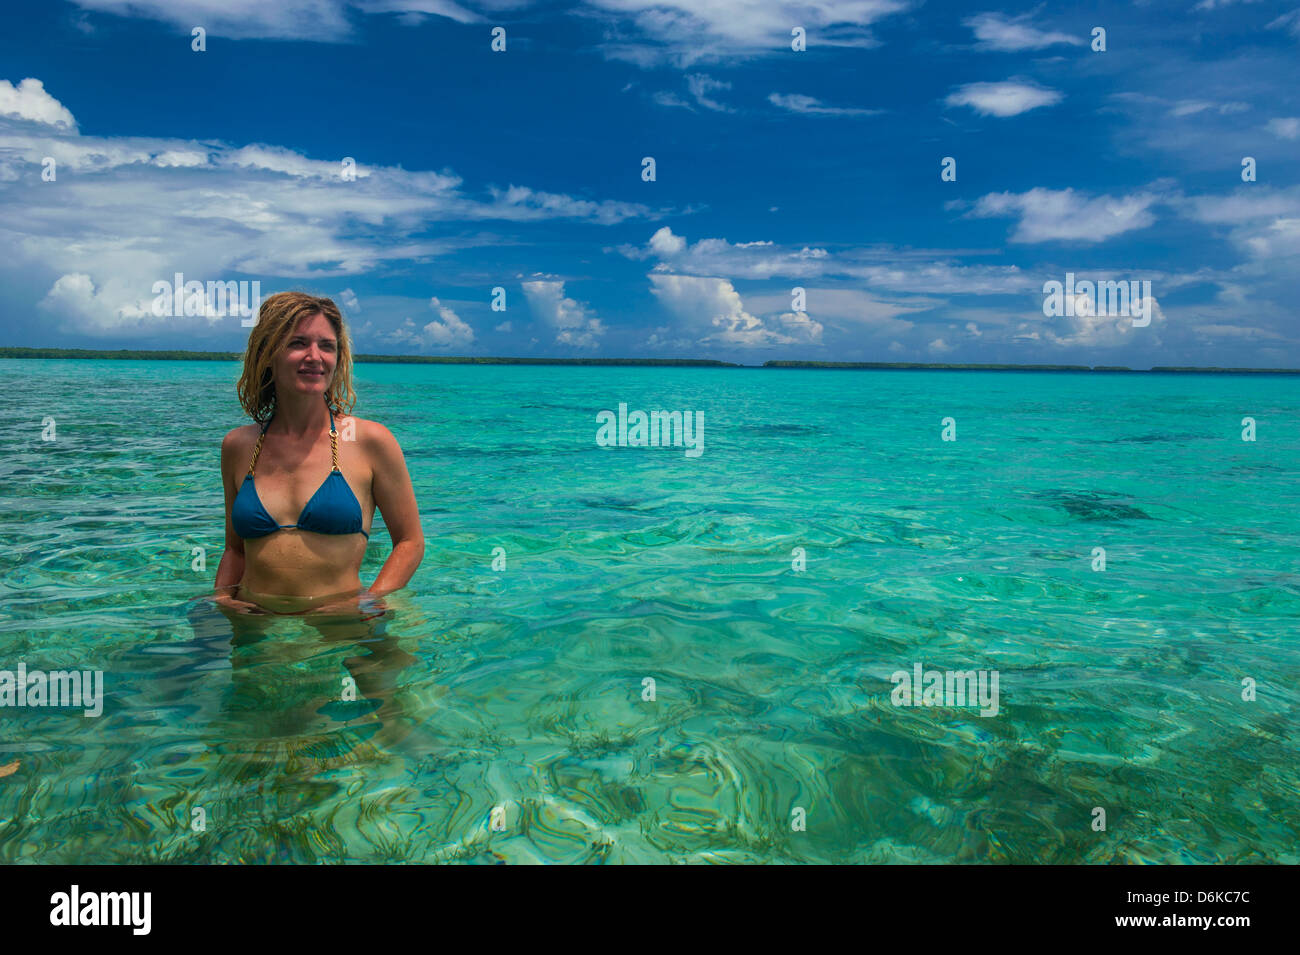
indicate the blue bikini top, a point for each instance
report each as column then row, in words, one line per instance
column 333, row 509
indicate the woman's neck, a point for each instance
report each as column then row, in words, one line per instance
column 301, row 415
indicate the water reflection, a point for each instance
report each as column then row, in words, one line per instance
column 317, row 685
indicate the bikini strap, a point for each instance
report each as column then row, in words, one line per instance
column 334, row 440
column 258, row 448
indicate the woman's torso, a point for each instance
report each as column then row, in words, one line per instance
column 293, row 562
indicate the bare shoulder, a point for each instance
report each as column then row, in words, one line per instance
column 371, row 433
column 236, row 451
column 239, row 439
column 375, row 439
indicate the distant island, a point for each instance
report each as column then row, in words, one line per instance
column 908, row 365
column 145, row 355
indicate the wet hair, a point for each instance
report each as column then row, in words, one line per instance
column 276, row 321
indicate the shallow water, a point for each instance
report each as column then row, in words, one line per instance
column 523, row 688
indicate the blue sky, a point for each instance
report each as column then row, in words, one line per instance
column 775, row 169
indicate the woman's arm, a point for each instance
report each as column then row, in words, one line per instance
column 231, row 569
column 395, row 498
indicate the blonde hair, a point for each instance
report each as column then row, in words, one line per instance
column 276, row 321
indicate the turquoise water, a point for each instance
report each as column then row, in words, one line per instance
column 523, row 688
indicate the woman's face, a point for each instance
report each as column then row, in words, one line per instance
column 306, row 366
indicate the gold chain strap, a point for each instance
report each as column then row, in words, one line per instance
column 256, row 451
column 334, row 445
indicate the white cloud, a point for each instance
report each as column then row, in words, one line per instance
column 664, row 98
column 1189, row 107
column 879, row 267
column 653, row 33
column 1284, row 128
column 129, row 211
column 446, row 331
column 1008, row 98
column 851, row 309
column 808, row 105
column 901, row 272
column 664, row 244
column 449, row 330
column 324, row 20
column 504, row 327
column 114, row 309
column 349, row 300
column 701, row 86
column 1266, row 223
column 1249, row 204
column 710, row 311
column 28, row 100
column 997, row 31
column 758, row 259
column 660, row 339
column 647, row 33
column 1280, row 239
column 1212, row 4
column 1289, row 21
column 1047, row 214
column 1092, row 330
column 572, row 323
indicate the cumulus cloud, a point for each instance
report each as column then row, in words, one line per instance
column 115, row 309
column 1047, row 214
column 1090, row 329
column 446, row 331
column 1008, row 98
column 709, row 311
column 757, row 259
column 664, row 244
column 28, row 100
column 571, row 320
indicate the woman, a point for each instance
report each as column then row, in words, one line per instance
column 296, row 536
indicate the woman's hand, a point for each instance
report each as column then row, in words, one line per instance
column 228, row 603
column 365, row 604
